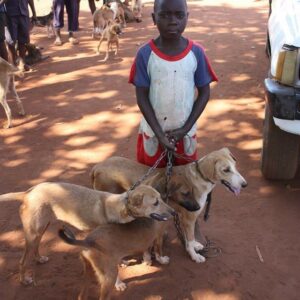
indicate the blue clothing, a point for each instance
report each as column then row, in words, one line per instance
column 72, row 12
column 2, row 7
column 17, row 8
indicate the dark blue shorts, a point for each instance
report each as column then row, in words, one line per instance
column 18, row 27
column 2, row 26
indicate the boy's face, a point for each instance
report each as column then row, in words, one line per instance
column 170, row 17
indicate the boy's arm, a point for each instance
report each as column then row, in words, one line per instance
column 198, row 107
column 32, row 7
column 149, row 115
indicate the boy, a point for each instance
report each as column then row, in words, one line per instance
column 18, row 27
column 58, row 19
column 165, row 73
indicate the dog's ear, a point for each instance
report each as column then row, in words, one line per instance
column 206, row 167
column 227, row 151
column 136, row 199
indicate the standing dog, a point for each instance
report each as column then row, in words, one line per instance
column 101, row 18
column 105, row 247
column 119, row 14
column 79, row 206
column 7, row 79
column 44, row 21
column 111, row 34
column 118, row 173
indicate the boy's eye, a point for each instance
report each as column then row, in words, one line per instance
column 168, row 15
column 180, row 15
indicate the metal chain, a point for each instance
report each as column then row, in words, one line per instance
column 180, row 233
column 169, row 170
column 150, row 170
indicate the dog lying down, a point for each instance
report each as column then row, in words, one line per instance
column 7, row 80
column 105, row 247
column 34, row 54
column 119, row 173
column 81, row 207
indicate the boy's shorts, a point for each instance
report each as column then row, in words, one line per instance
column 2, row 26
column 18, row 27
column 150, row 157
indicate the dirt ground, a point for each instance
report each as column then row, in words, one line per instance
column 81, row 111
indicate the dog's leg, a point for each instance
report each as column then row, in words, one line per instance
column 147, row 260
column 191, row 244
column 158, row 246
column 5, row 104
column 19, row 102
column 99, row 45
column 107, row 51
column 88, row 274
column 117, row 46
column 120, row 285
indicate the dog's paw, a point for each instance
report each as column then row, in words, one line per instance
column 197, row 246
column 120, row 285
column 163, row 260
column 197, row 258
column 42, row 259
column 27, row 280
column 124, row 263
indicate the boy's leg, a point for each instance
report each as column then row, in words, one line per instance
column 72, row 11
column 11, row 38
column 92, row 6
column 58, row 20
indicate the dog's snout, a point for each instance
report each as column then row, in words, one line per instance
column 172, row 212
column 244, row 184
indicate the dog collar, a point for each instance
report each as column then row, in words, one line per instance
column 201, row 174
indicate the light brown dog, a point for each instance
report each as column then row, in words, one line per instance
column 107, row 245
column 118, row 173
column 79, row 206
column 111, row 34
column 101, row 18
column 7, row 80
column 119, row 14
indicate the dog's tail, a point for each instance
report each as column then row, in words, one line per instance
column 12, row 196
column 68, row 236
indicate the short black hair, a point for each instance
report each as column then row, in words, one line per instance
column 157, row 2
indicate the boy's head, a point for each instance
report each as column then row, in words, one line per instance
column 170, row 17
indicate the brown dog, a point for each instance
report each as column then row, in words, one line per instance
column 118, row 173
column 81, row 207
column 107, row 245
column 101, row 18
column 7, row 79
column 111, row 34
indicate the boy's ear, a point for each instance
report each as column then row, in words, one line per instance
column 153, row 18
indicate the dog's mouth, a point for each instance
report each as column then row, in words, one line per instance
column 158, row 217
column 232, row 189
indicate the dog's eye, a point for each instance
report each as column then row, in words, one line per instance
column 185, row 194
column 156, row 202
column 227, row 170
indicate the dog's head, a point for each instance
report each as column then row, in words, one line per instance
column 179, row 190
column 145, row 201
column 33, row 50
column 220, row 166
column 115, row 28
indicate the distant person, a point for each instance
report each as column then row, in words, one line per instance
column 58, row 20
column 18, row 24
column 3, row 49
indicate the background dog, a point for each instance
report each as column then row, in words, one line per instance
column 7, row 80
column 34, row 54
column 111, row 34
column 44, row 21
column 101, row 17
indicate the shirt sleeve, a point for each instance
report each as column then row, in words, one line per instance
column 204, row 73
column 139, row 74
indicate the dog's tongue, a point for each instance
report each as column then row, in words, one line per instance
column 236, row 191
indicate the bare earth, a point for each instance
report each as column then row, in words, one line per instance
column 81, row 111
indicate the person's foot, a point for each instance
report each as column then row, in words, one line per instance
column 58, row 42
column 73, row 40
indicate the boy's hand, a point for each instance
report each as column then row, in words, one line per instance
column 167, row 143
column 176, row 134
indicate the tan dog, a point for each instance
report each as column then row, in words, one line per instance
column 111, row 34
column 101, row 18
column 7, row 79
column 107, row 245
column 119, row 14
column 118, row 173
column 79, row 206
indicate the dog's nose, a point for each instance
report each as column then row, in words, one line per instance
column 173, row 212
column 244, row 184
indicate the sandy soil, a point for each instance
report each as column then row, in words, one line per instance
column 81, row 111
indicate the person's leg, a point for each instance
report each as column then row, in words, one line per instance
column 3, row 50
column 58, row 20
column 23, row 39
column 72, row 11
column 11, row 38
column 92, row 6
